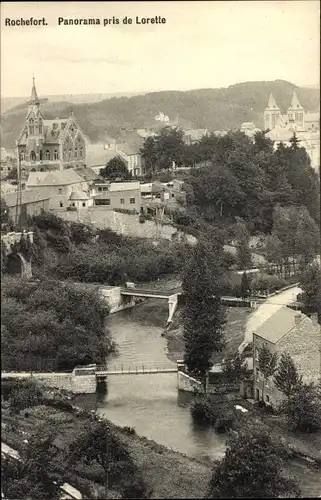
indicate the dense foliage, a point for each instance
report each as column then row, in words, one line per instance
column 80, row 252
column 116, row 168
column 286, row 377
column 252, row 468
column 203, row 315
column 303, row 409
column 311, row 286
column 34, row 477
column 51, row 326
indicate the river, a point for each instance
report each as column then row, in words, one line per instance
column 150, row 403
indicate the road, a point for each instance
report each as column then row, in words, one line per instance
column 266, row 310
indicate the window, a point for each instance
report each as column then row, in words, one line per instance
column 56, row 154
column 73, row 204
column 81, row 153
column 31, row 126
column 61, row 204
column 256, row 354
column 32, row 156
column 132, row 201
column 107, row 202
column 122, row 201
column 59, row 190
column 70, row 154
column 40, row 126
column 76, row 152
column 257, row 375
column 84, row 204
column 47, row 154
column 267, row 398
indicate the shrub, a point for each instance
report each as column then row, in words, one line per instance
column 202, row 411
column 225, row 421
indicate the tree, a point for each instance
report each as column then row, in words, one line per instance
column 35, row 477
column 252, row 468
column 287, row 378
column 303, row 409
column 245, row 286
column 267, row 365
column 235, row 368
column 203, row 316
column 311, row 287
column 243, row 252
column 116, row 168
column 149, row 152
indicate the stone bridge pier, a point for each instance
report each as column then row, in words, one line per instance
column 15, row 244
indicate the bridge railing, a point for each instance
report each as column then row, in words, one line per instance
column 144, row 367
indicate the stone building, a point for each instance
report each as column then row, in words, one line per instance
column 49, row 144
column 287, row 331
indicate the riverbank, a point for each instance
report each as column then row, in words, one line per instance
column 170, row 474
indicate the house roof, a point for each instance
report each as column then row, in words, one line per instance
column 27, row 196
column 87, row 174
column 280, row 324
column 96, row 154
column 129, row 149
column 124, row 186
column 54, row 178
column 78, row 195
column 312, row 117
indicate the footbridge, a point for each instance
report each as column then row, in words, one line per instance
column 170, row 295
column 145, row 368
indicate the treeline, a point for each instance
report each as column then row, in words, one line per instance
column 51, row 326
column 241, row 178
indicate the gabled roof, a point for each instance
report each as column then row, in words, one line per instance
column 280, row 324
column 54, row 178
column 27, row 196
column 295, row 104
column 96, row 154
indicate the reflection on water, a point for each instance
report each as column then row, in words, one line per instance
column 151, row 403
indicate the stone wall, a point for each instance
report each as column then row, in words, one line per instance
column 187, row 383
column 126, row 224
column 115, row 300
column 57, row 381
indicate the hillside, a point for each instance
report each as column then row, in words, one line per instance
column 215, row 109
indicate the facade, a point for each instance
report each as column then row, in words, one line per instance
column 7, row 188
column 249, row 129
column 8, row 162
column 79, row 200
column 305, row 125
column 33, row 202
column 121, row 195
column 59, row 184
column 292, row 332
column 134, row 160
column 49, row 144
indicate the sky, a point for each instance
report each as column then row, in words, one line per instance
column 201, row 45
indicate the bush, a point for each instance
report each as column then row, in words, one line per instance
column 202, row 411
column 267, row 283
column 225, row 421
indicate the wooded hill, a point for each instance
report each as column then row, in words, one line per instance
column 215, row 109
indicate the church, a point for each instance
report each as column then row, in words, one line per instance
column 45, row 145
column 306, row 126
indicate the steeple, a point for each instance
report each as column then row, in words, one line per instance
column 272, row 103
column 34, row 96
column 295, row 104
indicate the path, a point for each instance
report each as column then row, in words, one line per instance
column 266, row 310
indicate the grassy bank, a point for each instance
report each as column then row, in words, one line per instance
column 168, row 473
column 234, row 333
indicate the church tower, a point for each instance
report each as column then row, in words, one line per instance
column 34, row 124
column 296, row 112
column 272, row 114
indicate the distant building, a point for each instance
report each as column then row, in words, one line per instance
column 249, row 129
column 193, row 136
column 121, row 195
column 7, row 163
column 305, row 125
column 33, row 202
column 49, row 144
column 288, row 331
column 60, row 185
column 98, row 155
column 7, row 188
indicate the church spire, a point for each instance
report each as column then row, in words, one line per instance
column 34, row 96
column 295, row 104
column 272, row 103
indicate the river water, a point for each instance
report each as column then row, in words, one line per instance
column 151, row 403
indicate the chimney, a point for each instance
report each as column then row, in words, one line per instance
column 297, row 319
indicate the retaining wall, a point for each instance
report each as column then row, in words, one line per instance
column 125, row 224
column 187, row 383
